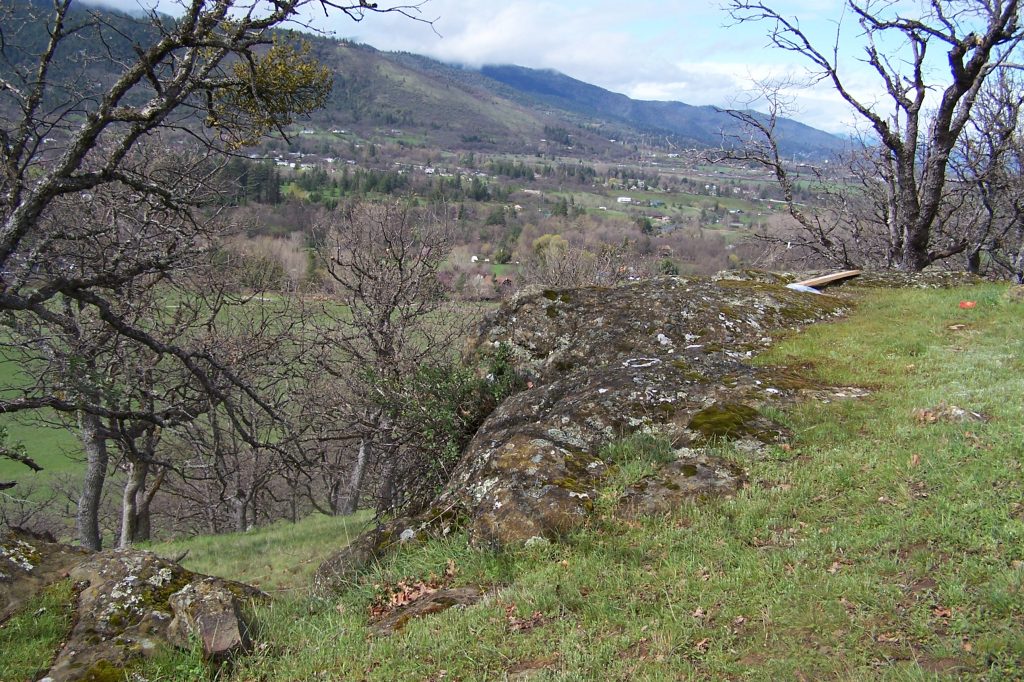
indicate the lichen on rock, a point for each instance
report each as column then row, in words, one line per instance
column 28, row 563
column 128, row 601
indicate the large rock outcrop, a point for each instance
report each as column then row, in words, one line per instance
column 665, row 356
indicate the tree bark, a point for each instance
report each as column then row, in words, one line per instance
column 143, row 531
column 134, row 488
column 350, row 503
column 241, row 503
column 94, row 443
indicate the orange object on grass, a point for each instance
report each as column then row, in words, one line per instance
column 967, row 305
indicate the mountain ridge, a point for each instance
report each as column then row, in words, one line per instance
column 500, row 108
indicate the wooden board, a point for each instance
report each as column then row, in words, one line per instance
column 828, row 279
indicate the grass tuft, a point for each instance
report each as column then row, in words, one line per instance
column 30, row 638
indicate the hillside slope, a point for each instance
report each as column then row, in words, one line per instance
column 883, row 541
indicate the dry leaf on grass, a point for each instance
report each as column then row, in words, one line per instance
column 946, row 413
column 517, row 624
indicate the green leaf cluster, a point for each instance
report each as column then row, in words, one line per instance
column 266, row 93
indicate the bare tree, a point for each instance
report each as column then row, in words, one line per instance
column 988, row 187
column 390, row 320
column 557, row 262
column 915, row 140
column 826, row 233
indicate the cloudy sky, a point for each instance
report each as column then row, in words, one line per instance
column 685, row 50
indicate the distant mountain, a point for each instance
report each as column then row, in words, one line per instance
column 512, row 107
column 686, row 124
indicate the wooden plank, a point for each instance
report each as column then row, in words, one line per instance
column 828, row 279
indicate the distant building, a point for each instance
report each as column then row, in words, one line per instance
column 625, row 200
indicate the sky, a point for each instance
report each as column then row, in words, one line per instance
column 682, row 50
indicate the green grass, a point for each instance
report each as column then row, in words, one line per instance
column 47, row 444
column 279, row 558
column 873, row 546
column 29, row 640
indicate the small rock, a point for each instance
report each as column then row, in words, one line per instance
column 686, row 478
column 208, row 611
column 125, row 611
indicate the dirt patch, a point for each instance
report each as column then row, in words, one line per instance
column 943, row 666
column 524, row 670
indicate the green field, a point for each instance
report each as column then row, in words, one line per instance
column 52, row 447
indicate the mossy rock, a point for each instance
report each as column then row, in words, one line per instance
column 602, row 364
column 124, row 612
column 730, row 421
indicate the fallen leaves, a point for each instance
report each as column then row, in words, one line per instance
column 522, row 624
column 918, row 490
column 406, row 592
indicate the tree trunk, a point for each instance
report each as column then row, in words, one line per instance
column 134, row 488
column 334, row 497
column 94, row 443
column 143, row 530
column 241, row 503
column 350, row 503
column 143, row 522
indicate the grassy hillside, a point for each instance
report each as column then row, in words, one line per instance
column 52, row 447
column 885, row 541
column 279, row 558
